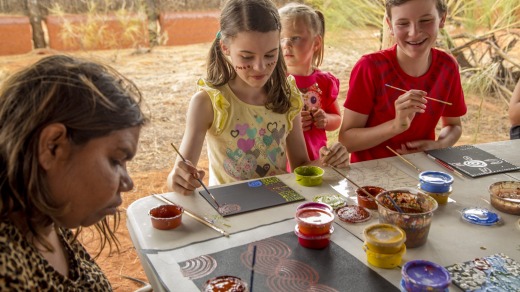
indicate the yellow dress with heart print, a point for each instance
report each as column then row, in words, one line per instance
column 246, row 141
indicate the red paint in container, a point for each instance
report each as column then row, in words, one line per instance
column 315, row 205
column 313, row 241
column 314, row 221
column 225, row 284
column 166, row 217
column 364, row 200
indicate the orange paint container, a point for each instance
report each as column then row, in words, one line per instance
column 314, row 221
column 364, row 200
column 165, row 217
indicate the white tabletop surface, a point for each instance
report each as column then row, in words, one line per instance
column 450, row 240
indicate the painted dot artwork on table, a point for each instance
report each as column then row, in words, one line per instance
column 496, row 272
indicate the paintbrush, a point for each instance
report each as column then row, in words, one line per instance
column 365, row 191
column 427, row 97
column 352, row 182
column 200, row 181
column 192, row 215
column 404, row 159
column 252, row 269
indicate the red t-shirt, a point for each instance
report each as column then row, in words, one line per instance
column 319, row 90
column 368, row 95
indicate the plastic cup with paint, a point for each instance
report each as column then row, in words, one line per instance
column 384, row 238
column 313, row 241
column 384, row 260
column 364, row 200
column 314, row 221
column 309, row 176
column 165, row 217
column 421, row 275
column 225, row 284
column 435, row 181
column 318, row 205
column 417, row 216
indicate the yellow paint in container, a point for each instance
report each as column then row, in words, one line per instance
column 384, row 238
column 441, row 198
column 384, row 260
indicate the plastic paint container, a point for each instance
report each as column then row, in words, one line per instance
column 318, row 205
column 313, row 241
column 225, row 283
column 384, row 238
column 314, row 221
column 384, row 260
column 441, row 198
column 421, row 275
column 364, row 200
column 417, row 217
column 309, row 176
column 166, row 217
column 435, row 181
column 505, row 196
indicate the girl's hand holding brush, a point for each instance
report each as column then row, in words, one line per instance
column 186, row 177
column 336, row 155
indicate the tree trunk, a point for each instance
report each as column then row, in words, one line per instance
column 153, row 17
column 35, row 18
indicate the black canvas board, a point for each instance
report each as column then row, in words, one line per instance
column 251, row 195
column 472, row 161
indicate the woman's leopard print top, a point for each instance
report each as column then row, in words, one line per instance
column 22, row 268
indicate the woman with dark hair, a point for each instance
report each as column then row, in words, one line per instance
column 67, row 129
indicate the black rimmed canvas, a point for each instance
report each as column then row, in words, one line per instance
column 472, row 161
column 251, row 195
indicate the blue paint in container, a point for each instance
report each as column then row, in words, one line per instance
column 422, row 275
column 435, row 181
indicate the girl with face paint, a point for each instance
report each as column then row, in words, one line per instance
column 246, row 108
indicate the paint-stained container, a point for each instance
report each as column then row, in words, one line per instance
column 384, row 260
column 314, row 221
column 422, row 275
column 435, row 181
column 384, row 238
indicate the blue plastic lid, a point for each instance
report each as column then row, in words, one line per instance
column 480, row 216
column 436, row 177
column 435, row 181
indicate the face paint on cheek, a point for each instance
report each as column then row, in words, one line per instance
column 242, row 67
column 271, row 64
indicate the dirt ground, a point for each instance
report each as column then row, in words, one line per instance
column 167, row 75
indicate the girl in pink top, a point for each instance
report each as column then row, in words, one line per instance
column 302, row 40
